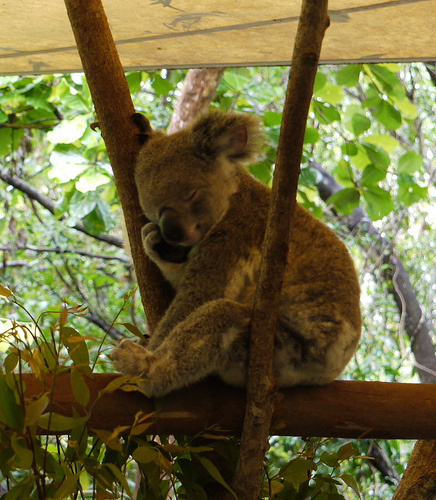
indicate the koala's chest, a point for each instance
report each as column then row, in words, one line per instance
column 242, row 279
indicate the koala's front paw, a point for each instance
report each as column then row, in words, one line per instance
column 160, row 251
column 130, row 358
column 150, row 238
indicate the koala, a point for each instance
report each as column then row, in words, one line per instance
column 207, row 224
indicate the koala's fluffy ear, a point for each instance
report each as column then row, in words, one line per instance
column 232, row 135
column 144, row 128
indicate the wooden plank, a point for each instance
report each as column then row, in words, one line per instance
column 341, row 409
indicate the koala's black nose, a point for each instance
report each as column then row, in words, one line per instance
column 170, row 226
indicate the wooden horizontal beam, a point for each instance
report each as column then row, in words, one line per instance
column 340, row 409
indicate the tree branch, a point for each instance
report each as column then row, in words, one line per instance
column 114, row 108
column 49, row 204
column 260, row 389
column 198, row 90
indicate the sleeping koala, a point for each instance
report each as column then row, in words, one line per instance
column 208, row 218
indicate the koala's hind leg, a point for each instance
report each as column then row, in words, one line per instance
column 213, row 339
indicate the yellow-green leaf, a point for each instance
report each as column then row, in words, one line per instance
column 58, row 423
column 34, row 410
column 79, row 387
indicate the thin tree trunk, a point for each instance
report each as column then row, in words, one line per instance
column 261, row 384
column 197, row 93
column 114, row 108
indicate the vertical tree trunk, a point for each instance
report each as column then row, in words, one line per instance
column 260, row 379
column 114, row 107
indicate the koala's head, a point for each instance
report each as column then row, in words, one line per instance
column 185, row 180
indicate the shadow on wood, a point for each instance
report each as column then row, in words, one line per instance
column 340, row 409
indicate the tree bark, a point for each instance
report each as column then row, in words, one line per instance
column 197, row 93
column 261, row 385
column 114, row 108
column 419, row 480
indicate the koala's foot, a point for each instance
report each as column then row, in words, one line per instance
column 131, row 358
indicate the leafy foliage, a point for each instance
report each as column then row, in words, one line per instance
column 370, row 126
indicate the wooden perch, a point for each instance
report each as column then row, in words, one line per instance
column 341, row 409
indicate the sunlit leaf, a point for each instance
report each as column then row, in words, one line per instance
column 35, row 409
column 5, row 292
column 409, row 162
column 79, row 387
column 59, row 423
column 298, row 471
column 378, row 202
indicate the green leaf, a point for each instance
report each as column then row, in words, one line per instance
column 21, row 490
column 387, row 142
column 348, row 75
column 320, row 81
column 372, row 175
column 11, row 413
column 120, row 477
column 235, row 81
column 409, row 163
column 68, row 131
column 214, row 472
column 298, row 471
column 272, row 119
column 377, row 155
column 311, row 136
column 134, row 81
column 351, row 483
column 77, row 349
column 378, row 201
column 9, row 140
column 135, row 330
column 79, row 387
column 330, row 93
column 346, row 451
column 68, row 487
column 34, row 410
column 325, row 113
column 24, row 456
column 145, row 454
column 387, row 114
column 409, row 191
column 345, row 200
column 59, row 423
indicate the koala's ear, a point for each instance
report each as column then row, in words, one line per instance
column 232, row 135
column 144, row 128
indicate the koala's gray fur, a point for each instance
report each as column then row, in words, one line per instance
column 208, row 218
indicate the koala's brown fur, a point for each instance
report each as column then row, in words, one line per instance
column 208, row 218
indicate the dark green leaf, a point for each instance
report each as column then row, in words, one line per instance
column 325, row 113
column 387, row 114
column 11, row 413
column 378, row 201
column 372, row 175
column 409, row 191
column 345, row 200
